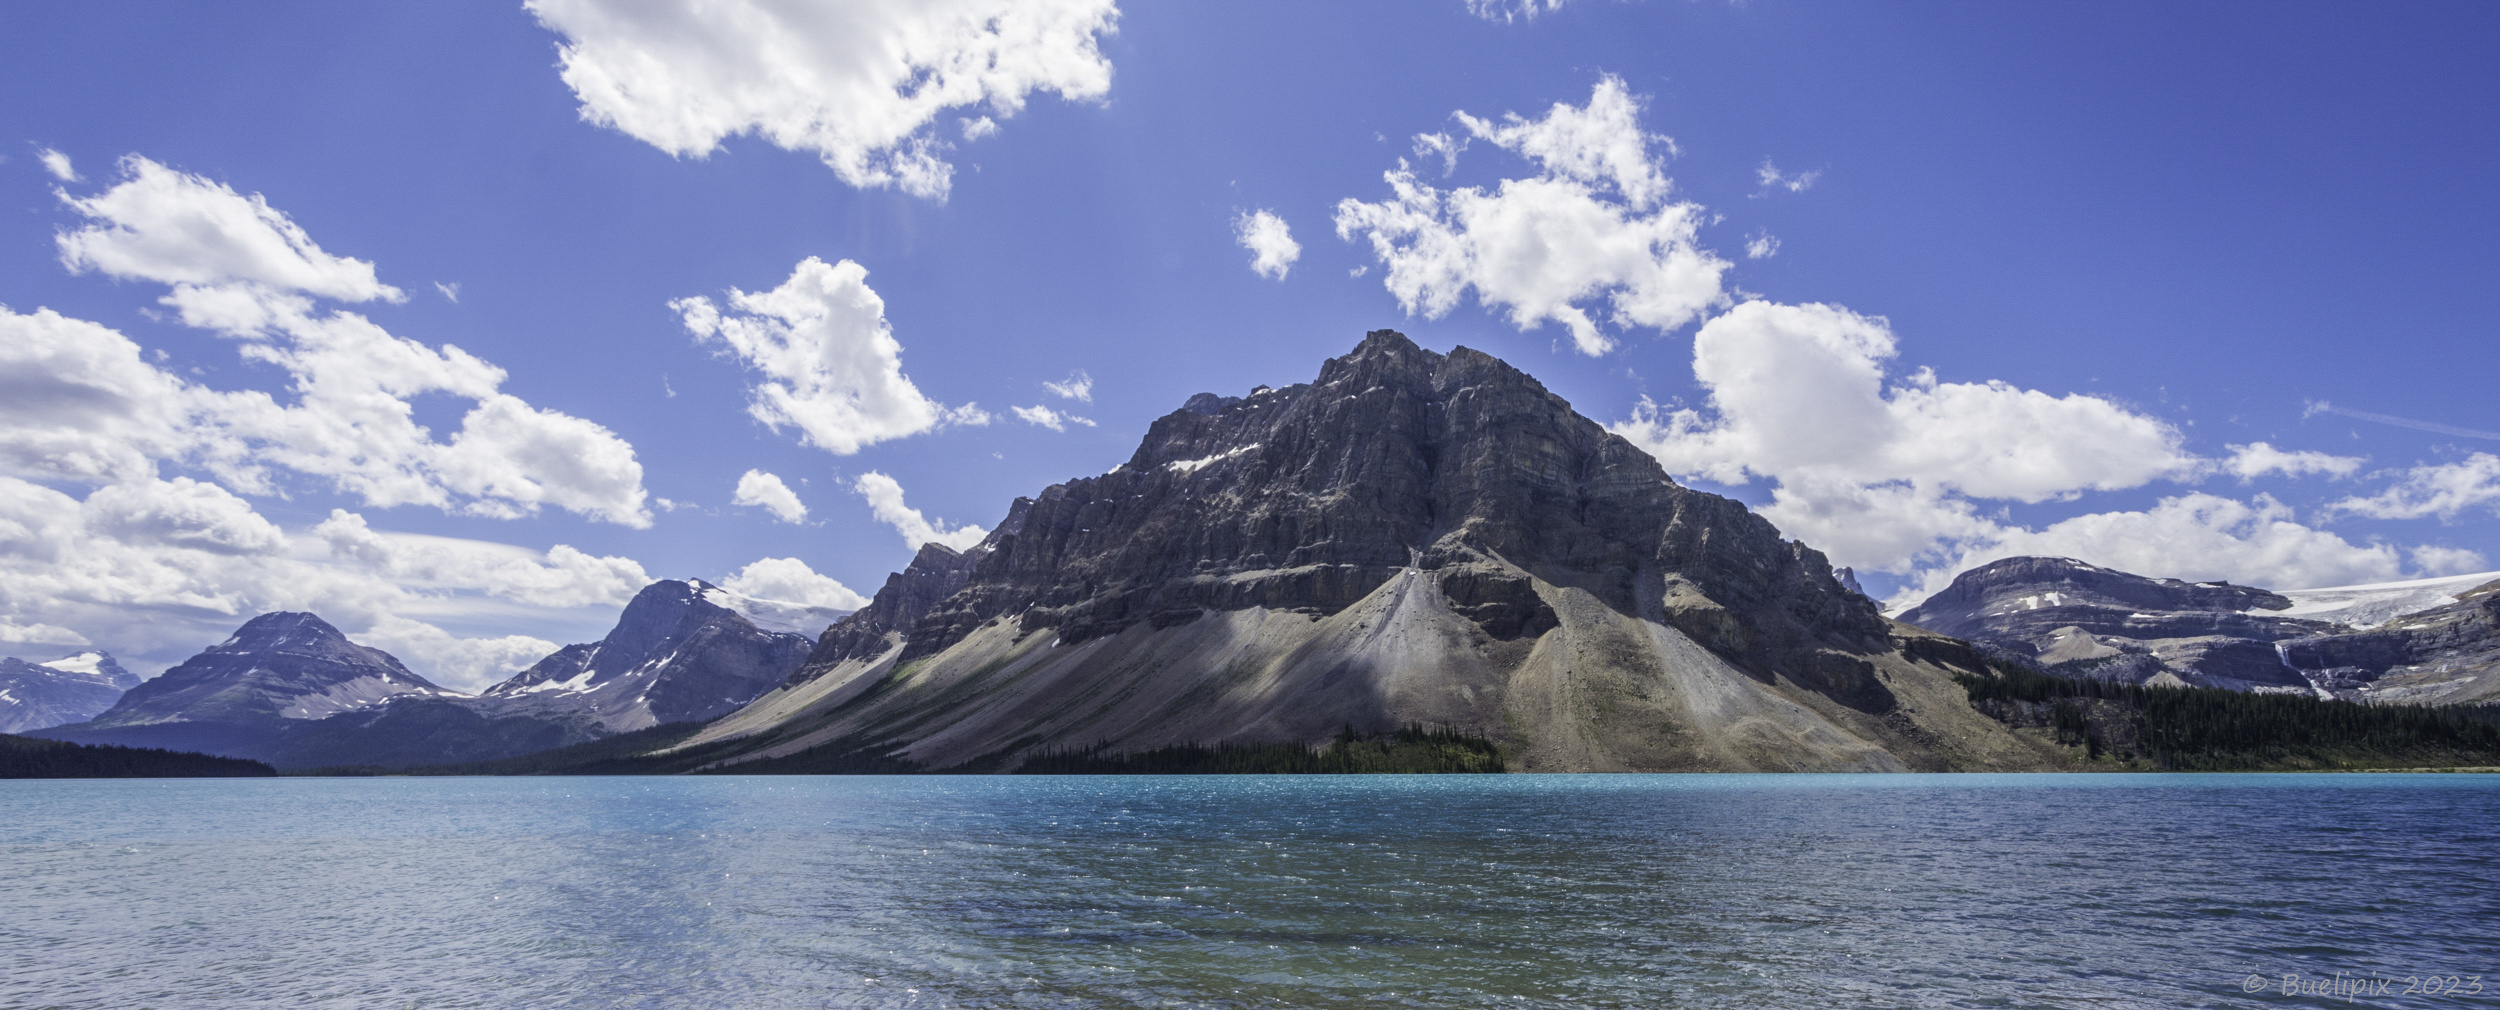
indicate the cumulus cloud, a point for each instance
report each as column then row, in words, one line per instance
column 2257, row 459
column 462, row 664
column 1801, row 391
column 1888, row 472
column 1593, row 225
column 1079, row 387
column 182, row 513
column 1761, row 245
column 97, row 411
column 561, row 576
column 790, row 580
column 2442, row 490
column 1054, row 420
column 755, row 487
column 2198, row 537
column 180, row 229
column 831, row 366
column 856, row 83
column 155, row 570
column 1271, row 244
column 58, row 164
column 885, row 498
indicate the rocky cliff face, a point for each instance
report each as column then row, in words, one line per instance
column 74, row 688
column 2443, row 655
column 678, row 653
column 1411, row 537
column 2082, row 620
column 2436, row 641
column 278, row 671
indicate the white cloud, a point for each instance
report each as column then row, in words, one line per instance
column 58, row 164
column 155, row 570
column 1771, row 178
column 831, row 365
column 755, row 487
column 1889, row 473
column 1507, row 11
column 78, row 402
column 790, row 580
column 885, row 498
column 2434, row 560
column 462, row 664
column 1800, row 391
column 857, row 83
column 2442, row 490
column 181, row 513
column 240, row 267
column 180, row 229
column 2197, row 537
column 450, row 291
column 1592, row 225
column 1761, row 245
column 2257, row 459
column 1079, row 387
column 1271, row 244
column 560, row 577
column 1054, row 420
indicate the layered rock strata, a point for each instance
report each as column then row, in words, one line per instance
column 1410, row 538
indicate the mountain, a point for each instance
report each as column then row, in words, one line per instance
column 278, row 670
column 290, row 690
column 801, row 619
column 2440, row 655
column 679, row 653
column 2432, row 641
column 70, row 689
column 1412, row 538
column 2369, row 606
column 2082, row 620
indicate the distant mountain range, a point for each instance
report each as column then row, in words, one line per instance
column 291, row 690
column 69, row 689
column 2432, row 641
column 1412, row 540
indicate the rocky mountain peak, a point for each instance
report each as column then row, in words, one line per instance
column 1394, row 461
column 677, row 652
column 281, row 665
column 2035, row 583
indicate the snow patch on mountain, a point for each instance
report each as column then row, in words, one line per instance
column 2374, row 604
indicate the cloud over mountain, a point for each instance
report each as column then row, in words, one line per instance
column 830, row 364
column 1592, row 231
column 859, row 84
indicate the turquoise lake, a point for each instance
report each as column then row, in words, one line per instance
column 1250, row 891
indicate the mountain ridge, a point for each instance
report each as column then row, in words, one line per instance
column 1411, row 538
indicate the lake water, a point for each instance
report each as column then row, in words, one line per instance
column 1429, row 891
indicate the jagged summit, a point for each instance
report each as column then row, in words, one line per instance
column 73, row 688
column 677, row 653
column 1409, row 537
column 281, row 665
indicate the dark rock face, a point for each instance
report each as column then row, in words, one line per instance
column 277, row 666
column 677, row 654
column 1411, row 537
column 72, row 689
column 2082, row 620
column 2444, row 655
column 242, row 697
column 1310, row 497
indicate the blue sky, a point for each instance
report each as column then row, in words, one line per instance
column 2131, row 241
